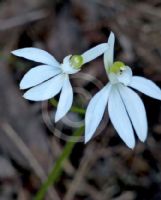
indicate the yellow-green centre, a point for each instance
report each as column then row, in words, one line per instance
column 76, row 61
column 117, row 67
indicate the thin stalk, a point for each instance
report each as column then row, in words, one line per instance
column 57, row 169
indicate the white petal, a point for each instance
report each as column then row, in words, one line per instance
column 46, row 90
column 109, row 54
column 146, row 86
column 95, row 111
column 65, row 100
column 125, row 76
column 94, row 52
column 119, row 118
column 38, row 75
column 136, row 111
column 37, row 55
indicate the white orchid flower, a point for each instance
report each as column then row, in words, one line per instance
column 47, row 80
column 126, row 109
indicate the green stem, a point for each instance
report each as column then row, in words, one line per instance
column 73, row 108
column 57, row 169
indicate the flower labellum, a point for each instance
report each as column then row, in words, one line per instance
column 51, row 77
column 76, row 61
column 126, row 109
column 117, row 67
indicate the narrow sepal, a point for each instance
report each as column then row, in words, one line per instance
column 65, row 100
column 136, row 111
column 120, row 119
column 37, row 55
column 38, row 75
column 46, row 90
column 95, row 111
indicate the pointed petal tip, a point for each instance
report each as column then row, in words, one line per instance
column 143, row 139
column 132, row 148
column 25, row 96
column 112, row 34
column 86, row 137
column 21, row 86
column 57, row 118
column 143, row 136
column 86, row 140
column 13, row 52
column 131, row 145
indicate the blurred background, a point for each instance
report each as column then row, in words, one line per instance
column 104, row 169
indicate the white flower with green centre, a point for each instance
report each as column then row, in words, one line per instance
column 51, row 77
column 126, row 109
